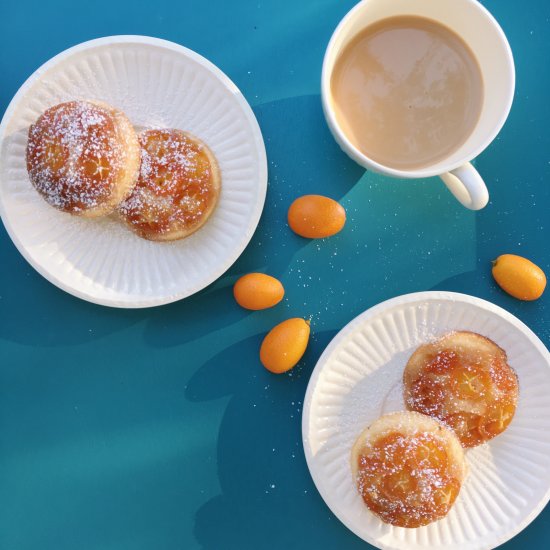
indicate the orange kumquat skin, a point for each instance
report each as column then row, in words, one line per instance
column 316, row 216
column 284, row 345
column 257, row 291
column 519, row 277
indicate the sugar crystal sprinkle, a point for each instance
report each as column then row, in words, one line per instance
column 74, row 155
column 407, row 479
column 176, row 187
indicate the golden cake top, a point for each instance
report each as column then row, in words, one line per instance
column 177, row 187
column 75, row 155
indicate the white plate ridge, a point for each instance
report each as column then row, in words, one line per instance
column 157, row 84
column 358, row 378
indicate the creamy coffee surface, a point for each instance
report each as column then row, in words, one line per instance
column 407, row 92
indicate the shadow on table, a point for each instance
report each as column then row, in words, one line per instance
column 261, row 464
column 36, row 313
column 292, row 130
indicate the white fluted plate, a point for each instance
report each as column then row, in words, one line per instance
column 157, row 84
column 358, row 378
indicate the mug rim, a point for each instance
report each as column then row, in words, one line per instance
column 361, row 158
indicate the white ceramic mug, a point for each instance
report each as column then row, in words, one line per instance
column 479, row 29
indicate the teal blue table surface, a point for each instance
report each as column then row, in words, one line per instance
column 158, row 428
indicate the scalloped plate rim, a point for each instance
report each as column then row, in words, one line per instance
column 254, row 128
column 370, row 313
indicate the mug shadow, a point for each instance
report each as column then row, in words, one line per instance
column 260, row 477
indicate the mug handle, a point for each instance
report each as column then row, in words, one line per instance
column 467, row 186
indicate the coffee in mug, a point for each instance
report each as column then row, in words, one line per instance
column 407, row 91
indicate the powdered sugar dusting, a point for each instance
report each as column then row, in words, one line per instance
column 407, row 479
column 75, row 155
column 464, row 380
column 177, row 188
